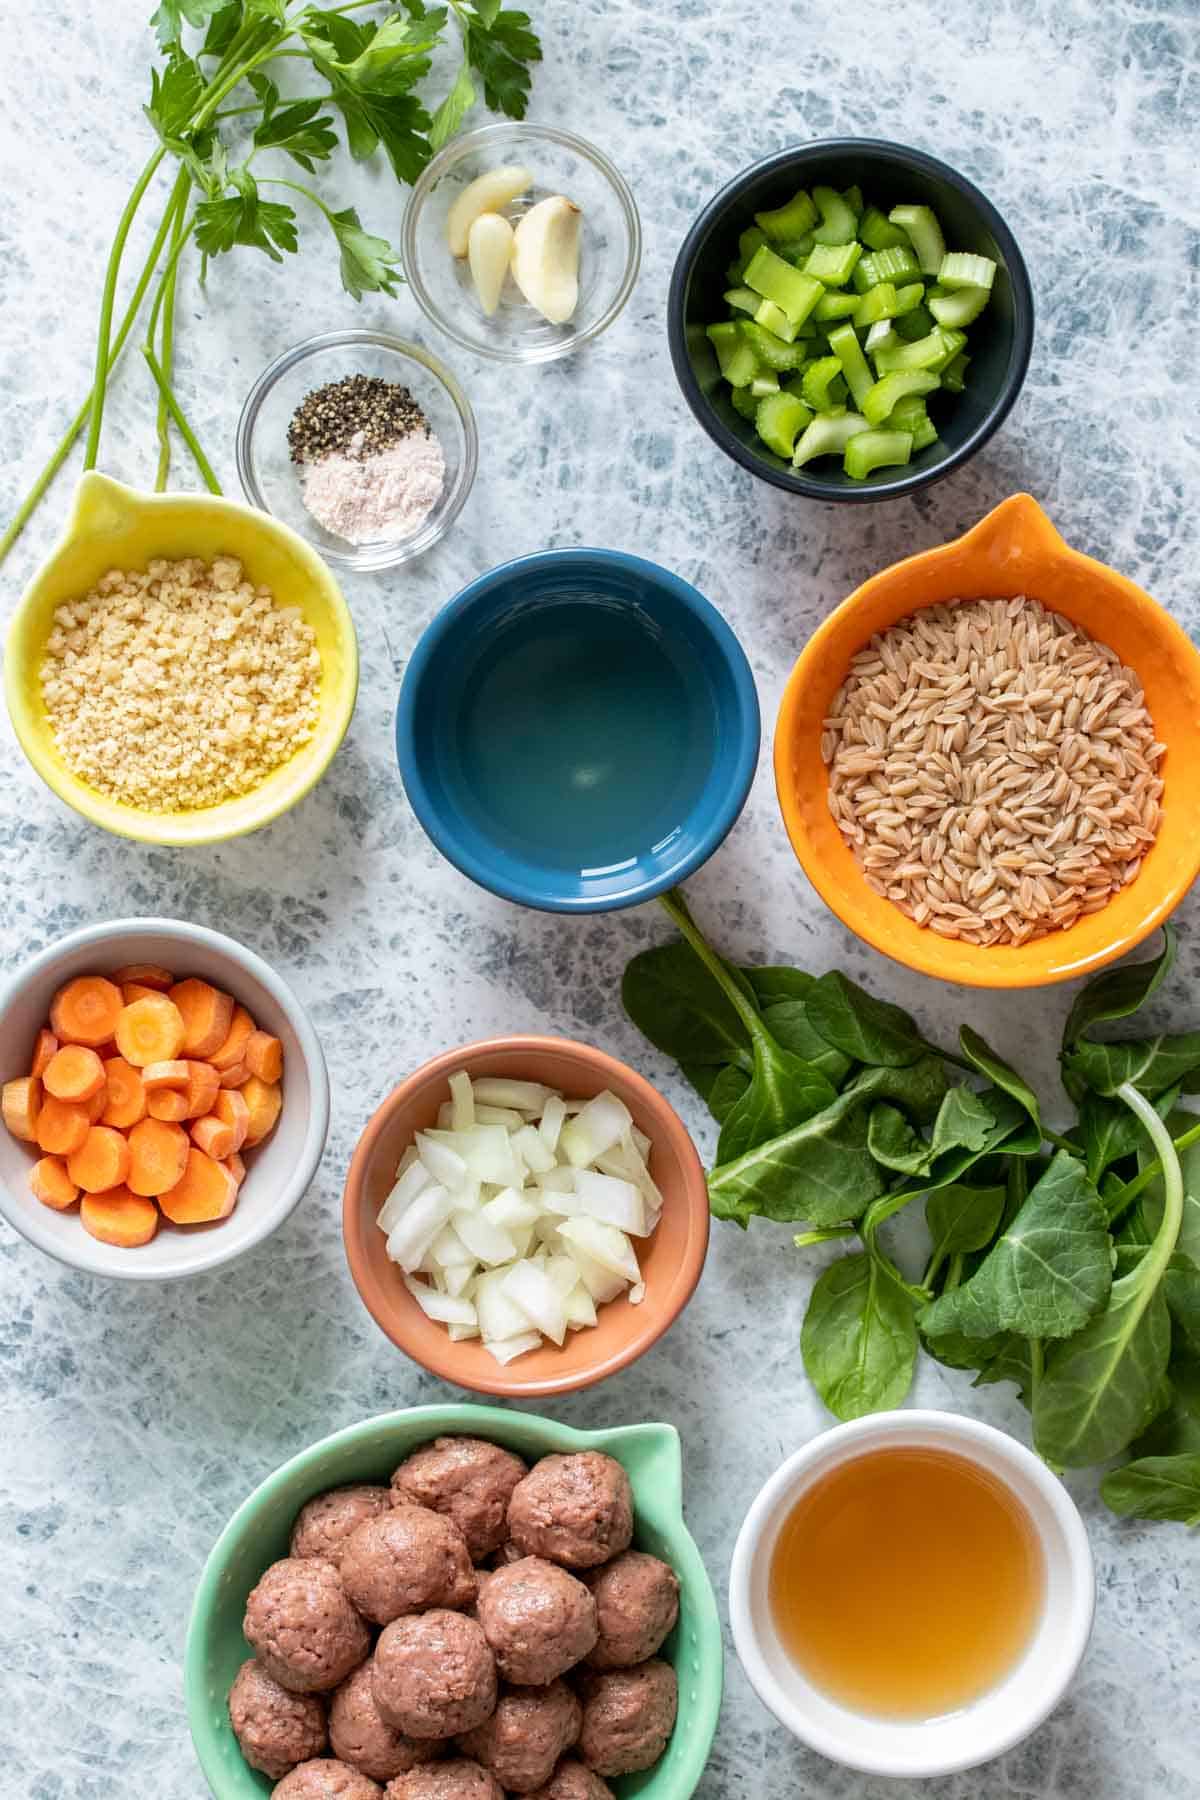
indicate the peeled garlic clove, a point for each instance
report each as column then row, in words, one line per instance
column 546, row 257
column 488, row 193
column 489, row 252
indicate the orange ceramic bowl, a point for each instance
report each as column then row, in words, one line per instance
column 671, row 1259
column 1014, row 550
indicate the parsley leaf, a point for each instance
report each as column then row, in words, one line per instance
column 173, row 15
column 367, row 262
column 174, row 95
column 300, row 127
column 454, row 108
column 369, row 87
column 243, row 218
column 223, row 28
column 502, row 53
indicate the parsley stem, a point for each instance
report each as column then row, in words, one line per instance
column 165, row 298
column 185, row 431
column 104, row 334
column 36, row 493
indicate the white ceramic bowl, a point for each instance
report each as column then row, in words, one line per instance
column 1004, row 1715
column 277, row 1171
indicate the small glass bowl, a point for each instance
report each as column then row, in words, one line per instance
column 560, row 163
column 270, row 479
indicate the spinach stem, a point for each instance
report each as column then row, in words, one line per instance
column 36, row 493
column 107, row 300
column 931, row 1268
column 826, row 1236
column 1037, row 1367
column 1153, row 1265
column 954, row 1273
column 676, row 908
column 1132, row 1188
column 185, row 431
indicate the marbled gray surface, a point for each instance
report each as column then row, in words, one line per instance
column 134, row 1420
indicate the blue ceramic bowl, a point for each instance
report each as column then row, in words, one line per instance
column 578, row 730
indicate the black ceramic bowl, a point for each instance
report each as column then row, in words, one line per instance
column 889, row 175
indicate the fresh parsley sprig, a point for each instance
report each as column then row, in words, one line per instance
column 219, row 116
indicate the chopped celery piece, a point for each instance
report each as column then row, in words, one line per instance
column 846, row 347
column 883, row 397
column 743, row 299
column 877, row 303
column 924, row 232
column 828, row 435
column 916, row 323
column 736, row 358
column 960, row 307
column 861, row 278
column 877, row 231
column 932, row 352
column 777, row 280
column 960, row 269
column 817, row 384
column 880, row 337
column 910, row 415
column 909, row 298
column 835, row 306
column 896, row 264
column 745, row 403
column 854, row 200
column 954, row 373
column 752, row 239
column 868, row 450
column 794, row 250
column 773, row 318
column 769, row 349
column 791, row 220
column 780, row 418
column 832, row 264
column 837, row 217
column 765, row 382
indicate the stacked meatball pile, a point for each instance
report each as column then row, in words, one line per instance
column 477, row 1629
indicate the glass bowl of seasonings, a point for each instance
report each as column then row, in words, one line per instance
column 363, row 443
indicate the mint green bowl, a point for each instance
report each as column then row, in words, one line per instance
column 257, row 1535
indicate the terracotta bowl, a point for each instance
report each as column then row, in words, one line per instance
column 1014, row 550
column 671, row 1259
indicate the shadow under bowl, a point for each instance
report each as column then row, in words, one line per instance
column 999, row 343
column 578, row 730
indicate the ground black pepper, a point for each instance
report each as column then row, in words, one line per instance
column 357, row 417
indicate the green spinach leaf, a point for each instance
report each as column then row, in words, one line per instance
column 1118, row 992
column 789, row 1024
column 1151, row 1065
column 677, row 1004
column 859, row 1339
column 719, row 1088
column 964, row 1122
column 772, row 982
column 1156, row 1487
column 1001, row 1074
column 1176, row 1429
column 961, row 1218
column 869, row 1030
column 820, row 1171
column 1049, row 1272
column 784, row 1090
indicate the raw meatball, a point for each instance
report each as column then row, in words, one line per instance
column 468, row 1480
column 637, row 1603
column 457, row 1780
column 275, row 1729
column 507, row 1553
column 301, row 1623
column 628, row 1717
column 434, row 1675
column 322, row 1527
column 571, row 1781
column 406, row 1560
column 326, row 1779
column 539, row 1620
column 576, row 1510
column 525, row 1736
column 361, row 1735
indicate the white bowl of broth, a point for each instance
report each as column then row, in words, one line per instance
column 912, row 1593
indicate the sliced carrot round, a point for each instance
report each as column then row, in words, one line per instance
column 150, row 1031
column 61, row 1128
column 85, row 1011
column 233, row 1050
column 101, row 1161
column 44, row 1048
column 167, row 1103
column 172, row 1074
column 125, row 1099
column 51, row 1183
column 157, row 1156
column 119, row 1217
column 265, row 1101
column 207, row 1016
column 207, row 1190
column 148, row 975
column 264, row 1056
column 20, row 1105
column 74, row 1073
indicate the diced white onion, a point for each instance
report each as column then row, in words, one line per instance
column 512, row 1217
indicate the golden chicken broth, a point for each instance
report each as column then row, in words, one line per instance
column 906, row 1582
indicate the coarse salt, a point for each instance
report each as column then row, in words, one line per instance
column 386, row 495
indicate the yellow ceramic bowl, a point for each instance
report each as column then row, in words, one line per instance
column 114, row 527
column 1014, row 550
